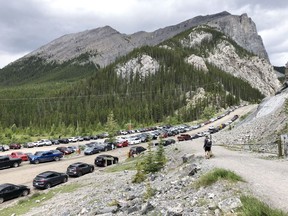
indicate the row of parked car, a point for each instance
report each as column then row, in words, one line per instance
column 49, row 179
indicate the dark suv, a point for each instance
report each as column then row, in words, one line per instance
column 105, row 160
column 79, row 169
column 15, row 146
column 137, row 149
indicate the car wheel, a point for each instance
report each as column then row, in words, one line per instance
column 105, row 149
column 56, row 158
column 91, row 169
column 25, row 193
column 15, row 165
column 48, row 185
column 65, row 180
column 79, row 174
column 1, row 200
column 36, row 161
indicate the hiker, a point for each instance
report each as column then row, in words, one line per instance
column 207, row 147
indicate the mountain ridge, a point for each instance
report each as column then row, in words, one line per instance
column 106, row 44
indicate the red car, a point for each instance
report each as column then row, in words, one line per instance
column 21, row 155
column 122, row 143
column 184, row 137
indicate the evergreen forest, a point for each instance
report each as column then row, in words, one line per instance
column 48, row 98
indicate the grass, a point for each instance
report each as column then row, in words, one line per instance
column 253, row 207
column 215, row 175
column 24, row 205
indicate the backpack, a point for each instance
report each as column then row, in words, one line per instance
column 208, row 143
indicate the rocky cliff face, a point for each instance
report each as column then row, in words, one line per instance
column 257, row 71
column 242, row 30
column 105, row 44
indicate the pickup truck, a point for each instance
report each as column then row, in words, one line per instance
column 6, row 161
column 45, row 156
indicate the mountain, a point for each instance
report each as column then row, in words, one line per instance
column 178, row 73
column 105, row 44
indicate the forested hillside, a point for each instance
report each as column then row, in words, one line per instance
column 60, row 98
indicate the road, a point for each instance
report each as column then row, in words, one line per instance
column 26, row 172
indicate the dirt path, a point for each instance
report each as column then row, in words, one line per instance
column 267, row 179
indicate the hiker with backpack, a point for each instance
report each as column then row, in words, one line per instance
column 207, row 147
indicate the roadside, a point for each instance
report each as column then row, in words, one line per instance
column 267, row 179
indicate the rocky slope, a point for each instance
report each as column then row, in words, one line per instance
column 169, row 192
column 261, row 129
column 105, row 44
column 257, row 71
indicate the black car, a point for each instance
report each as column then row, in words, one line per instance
column 11, row 191
column 48, row 179
column 105, row 160
column 79, row 169
column 137, row 149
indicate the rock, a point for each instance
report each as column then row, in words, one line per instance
column 106, row 210
column 84, row 211
column 229, row 204
column 187, row 157
column 147, row 207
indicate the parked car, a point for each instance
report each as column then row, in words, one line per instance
column 4, row 148
column 167, row 142
column 73, row 139
column 133, row 140
column 55, row 142
column 120, row 143
column 11, row 191
column 64, row 150
column 64, row 140
column 105, row 160
column 38, row 144
column 46, row 142
column 48, row 179
column 137, row 149
column 15, row 146
column 21, row 155
column 45, row 156
column 28, row 145
column 6, row 161
column 184, row 137
column 79, row 169
column 92, row 150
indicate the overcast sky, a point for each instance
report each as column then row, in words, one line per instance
column 26, row 25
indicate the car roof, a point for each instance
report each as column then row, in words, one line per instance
column 46, row 173
column 77, row 164
column 105, row 155
column 5, row 185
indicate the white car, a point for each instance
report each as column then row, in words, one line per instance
column 73, row 139
column 134, row 140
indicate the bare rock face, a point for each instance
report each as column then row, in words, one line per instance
column 242, row 30
column 105, row 44
column 255, row 70
column 143, row 65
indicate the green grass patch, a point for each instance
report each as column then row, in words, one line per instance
column 24, row 205
column 215, row 175
column 254, row 207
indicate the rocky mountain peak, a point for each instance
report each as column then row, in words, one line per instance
column 105, row 44
column 243, row 31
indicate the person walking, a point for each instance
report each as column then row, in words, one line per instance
column 207, row 147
